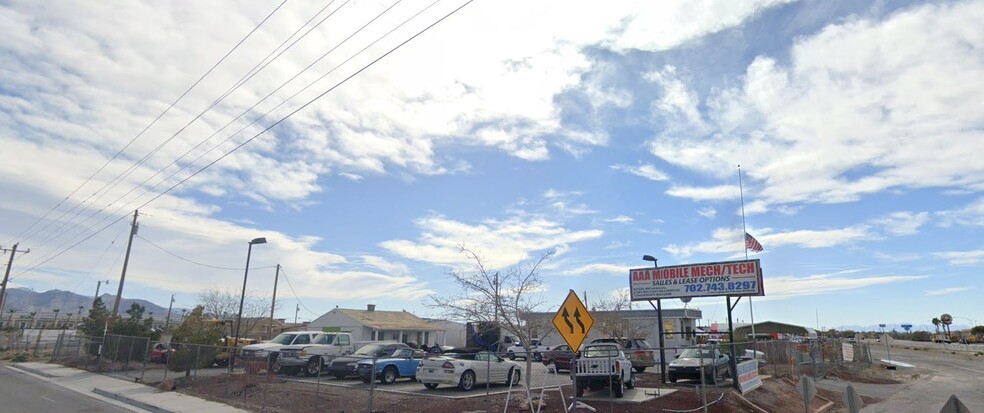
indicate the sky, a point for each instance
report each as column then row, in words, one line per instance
column 367, row 144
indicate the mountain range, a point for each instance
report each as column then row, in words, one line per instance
column 25, row 300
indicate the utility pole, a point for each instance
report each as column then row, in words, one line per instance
column 98, row 284
column 167, row 320
column 6, row 274
column 126, row 261
column 273, row 303
column 297, row 309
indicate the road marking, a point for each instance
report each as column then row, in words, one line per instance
column 50, row 400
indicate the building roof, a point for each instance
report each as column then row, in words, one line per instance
column 389, row 320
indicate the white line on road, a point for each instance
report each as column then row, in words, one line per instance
column 48, row 399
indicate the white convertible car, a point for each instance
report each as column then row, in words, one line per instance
column 465, row 368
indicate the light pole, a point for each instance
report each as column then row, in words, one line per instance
column 242, row 298
column 659, row 319
column 98, row 284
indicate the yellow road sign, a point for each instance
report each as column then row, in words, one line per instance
column 573, row 321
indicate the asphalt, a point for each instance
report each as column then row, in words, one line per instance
column 119, row 392
column 24, row 393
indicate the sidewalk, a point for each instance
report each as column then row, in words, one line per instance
column 139, row 396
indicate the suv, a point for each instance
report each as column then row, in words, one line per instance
column 270, row 350
column 638, row 350
column 310, row 358
column 516, row 350
column 344, row 366
column 688, row 365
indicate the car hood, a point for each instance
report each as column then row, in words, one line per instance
column 262, row 346
column 692, row 362
column 381, row 361
column 348, row 359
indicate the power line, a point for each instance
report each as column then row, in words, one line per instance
column 284, row 272
column 196, row 262
column 134, row 139
column 272, row 125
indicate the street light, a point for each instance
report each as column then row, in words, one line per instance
column 659, row 319
column 242, row 298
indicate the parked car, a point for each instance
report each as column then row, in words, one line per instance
column 603, row 365
column 270, row 350
column 688, row 364
column 402, row 363
column 311, row 358
column 467, row 367
column 162, row 352
column 638, row 350
column 560, row 357
column 516, row 350
column 345, row 366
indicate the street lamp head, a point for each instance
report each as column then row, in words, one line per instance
column 649, row 258
column 260, row 240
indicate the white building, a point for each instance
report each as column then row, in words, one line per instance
column 374, row 325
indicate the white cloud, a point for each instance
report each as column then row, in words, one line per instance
column 785, row 287
column 500, row 242
column 707, row 212
column 647, row 171
column 902, row 222
column 970, row 215
column 621, row 219
column 598, row 268
column 861, row 107
column 945, row 291
column 973, row 257
column 715, row 193
column 730, row 240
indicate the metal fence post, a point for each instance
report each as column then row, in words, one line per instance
column 198, row 355
column 129, row 355
column 372, row 382
column 146, row 355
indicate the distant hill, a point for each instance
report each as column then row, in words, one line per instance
column 24, row 300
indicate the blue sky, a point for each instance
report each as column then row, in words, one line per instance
column 600, row 133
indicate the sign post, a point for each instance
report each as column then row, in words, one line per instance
column 573, row 322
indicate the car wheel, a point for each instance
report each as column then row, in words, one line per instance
column 430, row 386
column 639, row 369
column 578, row 389
column 313, row 367
column 552, row 366
column 366, row 380
column 537, row 357
column 672, row 379
column 513, row 377
column 389, row 375
column 711, row 376
column 631, row 383
column 467, row 381
column 618, row 389
column 511, row 355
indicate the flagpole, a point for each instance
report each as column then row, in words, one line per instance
column 744, row 237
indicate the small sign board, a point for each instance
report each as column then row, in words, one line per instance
column 714, row 279
column 848, row 350
column 807, row 390
column 946, row 319
column 573, row 321
column 906, row 327
column 881, row 325
column 748, row 376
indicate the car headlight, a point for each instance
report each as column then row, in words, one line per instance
column 263, row 353
column 304, row 352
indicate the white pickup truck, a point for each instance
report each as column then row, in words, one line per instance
column 310, row 358
column 601, row 366
column 516, row 350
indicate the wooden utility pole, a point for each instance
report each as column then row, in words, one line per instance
column 6, row 274
column 167, row 320
column 126, row 261
column 273, row 303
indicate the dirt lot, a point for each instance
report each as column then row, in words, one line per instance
column 275, row 394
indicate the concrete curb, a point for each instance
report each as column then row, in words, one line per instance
column 34, row 371
column 131, row 401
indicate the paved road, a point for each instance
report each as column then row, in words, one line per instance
column 941, row 374
column 21, row 393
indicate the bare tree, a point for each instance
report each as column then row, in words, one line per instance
column 611, row 317
column 224, row 305
column 506, row 298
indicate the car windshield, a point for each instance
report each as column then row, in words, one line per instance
column 694, row 353
column 283, row 338
column 600, row 351
column 641, row 343
column 369, row 349
column 324, row 339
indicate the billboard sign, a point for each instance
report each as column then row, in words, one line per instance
column 748, row 377
column 733, row 278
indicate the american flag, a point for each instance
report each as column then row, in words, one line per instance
column 752, row 244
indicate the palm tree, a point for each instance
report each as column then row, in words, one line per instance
column 936, row 322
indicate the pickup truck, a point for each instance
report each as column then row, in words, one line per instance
column 269, row 351
column 516, row 350
column 603, row 365
column 309, row 359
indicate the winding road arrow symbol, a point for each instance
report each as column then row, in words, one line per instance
column 577, row 318
column 567, row 320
